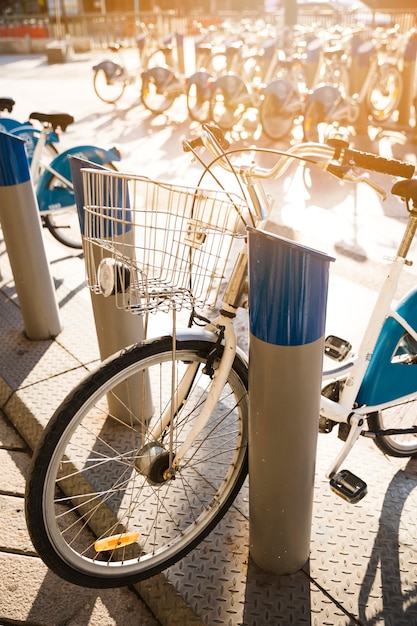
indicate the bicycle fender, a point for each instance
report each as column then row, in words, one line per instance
column 189, row 334
column 8, row 124
column 232, row 84
column 161, row 75
column 328, row 95
column 30, row 135
column 60, row 197
column 386, row 377
column 110, row 68
column 200, row 78
column 284, row 92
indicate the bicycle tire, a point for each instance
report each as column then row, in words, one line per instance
column 99, row 456
column 108, row 89
column 399, row 416
column 275, row 114
column 159, row 89
column 64, row 225
column 227, row 102
column 385, row 92
column 315, row 119
column 198, row 97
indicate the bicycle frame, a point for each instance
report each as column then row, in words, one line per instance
column 361, row 374
column 51, row 200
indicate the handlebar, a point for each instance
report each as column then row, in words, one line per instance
column 336, row 157
column 375, row 163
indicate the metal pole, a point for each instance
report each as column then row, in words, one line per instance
column 287, row 305
column 408, row 81
column 22, row 230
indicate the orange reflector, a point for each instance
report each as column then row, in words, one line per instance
column 115, row 541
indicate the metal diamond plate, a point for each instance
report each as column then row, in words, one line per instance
column 362, row 567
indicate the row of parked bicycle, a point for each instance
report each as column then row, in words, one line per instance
column 311, row 77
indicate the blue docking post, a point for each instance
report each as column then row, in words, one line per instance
column 287, row 309
column 22, row 230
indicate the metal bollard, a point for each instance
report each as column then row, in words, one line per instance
column 22, row 230
column 408, row 81
column 287, row 309
column 185, row 54
column 115, row 327
column 361, row 57
column 313, row 52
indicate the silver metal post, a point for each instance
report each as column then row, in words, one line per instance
column 287, row 305
column 22, row 230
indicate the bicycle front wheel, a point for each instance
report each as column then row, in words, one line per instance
column 159, row 89
column 279, row 107
column 102, row 508
column 229, row 97
column 314, row 122
column 403, row 417
column 198, row 97
column 109, row 88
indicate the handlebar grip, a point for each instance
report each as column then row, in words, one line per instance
column 377, row 163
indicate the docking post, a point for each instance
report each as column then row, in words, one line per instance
column 22, row 230
column 287, row 308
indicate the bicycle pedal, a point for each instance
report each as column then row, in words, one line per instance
column 348, row 486
column 336, row 348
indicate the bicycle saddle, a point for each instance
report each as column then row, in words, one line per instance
column 406, row 189
column 56, row 120
column 6, row 104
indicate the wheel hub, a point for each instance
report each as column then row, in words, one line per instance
column 152, row 461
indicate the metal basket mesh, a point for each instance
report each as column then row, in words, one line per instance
column 156, row 246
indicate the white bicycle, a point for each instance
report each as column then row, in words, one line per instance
column 144, row 457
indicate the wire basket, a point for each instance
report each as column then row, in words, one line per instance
column 156, row 246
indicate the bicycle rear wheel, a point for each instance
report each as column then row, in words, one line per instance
column 102, row 510
column 401, row 416
column 109, row 88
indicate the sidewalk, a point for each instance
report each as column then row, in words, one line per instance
column 363, row 564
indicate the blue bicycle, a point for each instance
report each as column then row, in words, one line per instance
column 50, row 169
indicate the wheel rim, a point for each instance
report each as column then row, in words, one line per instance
column 170, row 516
column 401, row 416
column 107, row 90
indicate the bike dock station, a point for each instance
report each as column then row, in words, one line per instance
column 362, row 567
column 287, row 311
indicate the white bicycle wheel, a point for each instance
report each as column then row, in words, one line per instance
column 102, row 506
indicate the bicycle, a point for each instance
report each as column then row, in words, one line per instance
column 52, row 178
column 161, row 84
column 26, row 130
column 111, row 77
column 118, row 488
column 328, row 106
